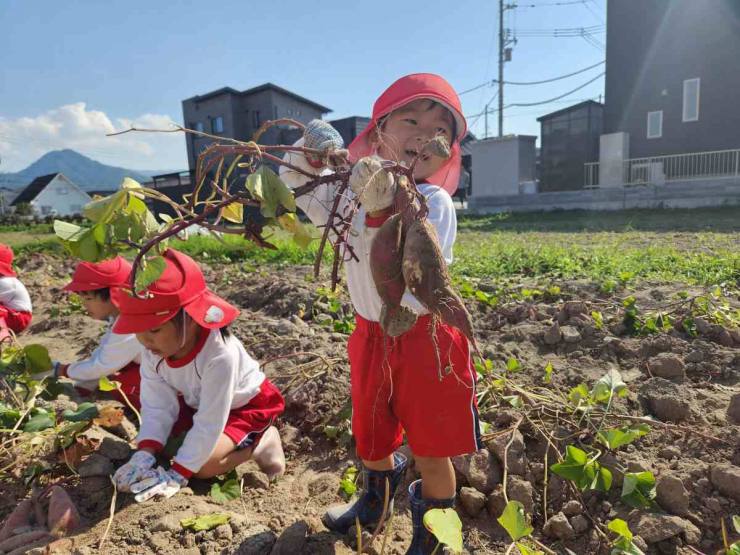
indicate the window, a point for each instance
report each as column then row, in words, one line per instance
column 217, row 124
column 655, row 125
column 197, row 126
column 691, row 99
column 256, row 118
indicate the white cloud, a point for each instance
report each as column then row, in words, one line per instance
column 74, row 126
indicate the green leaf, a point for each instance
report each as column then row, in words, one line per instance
column 105, row 384
column 150, row 272
column 233, row 212
column 38, row 422
column 226, row 491
column 638, row 489
column 514, row 520
column 609, row 385
column 269, row 189
column 620, row 527
column 524, row 550
column 584, row 472
column 615, row 438
column 37, row 358
column 102, row 209
column 578, row 394
column 67, row 231
column 598, row 319
column 87, row 247
column 348, row 484
column 514, row 400
column 446, row 526
column 8, row 416
column 734, row 549
column 301, row 233
column 68, row 432
column 736, row 523
column 85, row 411
column 548, row 372
column 512, row 365
column 205, row 522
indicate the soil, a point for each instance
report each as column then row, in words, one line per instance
column 287, row 325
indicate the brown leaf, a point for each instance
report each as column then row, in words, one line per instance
column 74, row 454
column 109, row 417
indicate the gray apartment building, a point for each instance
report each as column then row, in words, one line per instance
column 238, row 114
column 673, row 75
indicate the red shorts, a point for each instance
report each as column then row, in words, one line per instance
column 15, row 319
column 396, row 387
column 246, row 424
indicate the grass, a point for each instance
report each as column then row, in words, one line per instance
column 686, row 246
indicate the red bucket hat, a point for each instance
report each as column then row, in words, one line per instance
column 181, row 286
column 89, row 276
column 405, row 90
column 6, row 261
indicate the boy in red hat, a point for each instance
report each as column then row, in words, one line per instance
column 395, row 383
column 15, row 302
column 189, row 350
column 117, row 353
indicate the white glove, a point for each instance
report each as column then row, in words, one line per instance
column 374, row 185
column 322, row 136
column 134, row 470
column 158, row 482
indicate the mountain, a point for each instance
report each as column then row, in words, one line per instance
column 83, row 171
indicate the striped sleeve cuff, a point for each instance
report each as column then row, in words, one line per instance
column 150, row 444
column 181, row 470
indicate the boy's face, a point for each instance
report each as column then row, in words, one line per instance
column 166, row 341
column 405, row 131
column 96, row 306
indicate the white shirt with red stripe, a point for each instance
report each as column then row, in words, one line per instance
column 14, row 295
column 114, row 352
column 216, row 377
column 317, row 205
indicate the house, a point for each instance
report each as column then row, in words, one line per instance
column 569, row 139
column 350, row 127
column 53, row 194
column 227, row 112
column 672, row 76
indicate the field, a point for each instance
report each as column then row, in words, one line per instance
column 647, row 298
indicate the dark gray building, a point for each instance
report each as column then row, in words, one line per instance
column 230, row 113
column 350, row 127
column 570, row 138
column 673, row 75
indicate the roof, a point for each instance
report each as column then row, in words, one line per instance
column 34, row 188
column 258, row 89
column 570, row 109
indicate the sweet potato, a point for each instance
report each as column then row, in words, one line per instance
column 21, row 516
column 63, row 516
column 426, row 276
column 386, row 254
column 25, row 541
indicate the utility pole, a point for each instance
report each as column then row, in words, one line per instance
column 504, row 55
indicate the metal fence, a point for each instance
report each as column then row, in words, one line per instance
column 657, row 170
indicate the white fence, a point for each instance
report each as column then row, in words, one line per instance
column 675, row 167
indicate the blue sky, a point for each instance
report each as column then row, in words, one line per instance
column 75, row 69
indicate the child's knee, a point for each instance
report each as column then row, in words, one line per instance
column 432, row 464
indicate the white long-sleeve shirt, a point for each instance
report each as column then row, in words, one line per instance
column 221, row 377
column 114, row 352
column 14, row 295
column 317, row 205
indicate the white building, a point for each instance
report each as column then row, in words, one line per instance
column 54, row 195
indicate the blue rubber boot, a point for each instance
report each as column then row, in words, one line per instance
column 423, row 542
column 369, row 507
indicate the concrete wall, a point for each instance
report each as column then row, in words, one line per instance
column 500, row 165
column 652, row 47
column 690, row 194
column 60, row 195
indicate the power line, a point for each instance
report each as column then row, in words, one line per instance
column 550, row 100
column 550, row 4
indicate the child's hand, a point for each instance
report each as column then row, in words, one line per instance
column 374, row 185
column 134, row 470
column 158, row 482
column 321, row 136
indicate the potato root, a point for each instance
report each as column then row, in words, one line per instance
column 21, row 516
column 63, row 516
column 25, row 541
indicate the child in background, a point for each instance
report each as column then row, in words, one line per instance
column 188, row 349
column 394, row 381
column 15, row 302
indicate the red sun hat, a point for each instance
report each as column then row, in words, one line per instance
column 407, row 89
column 6, row 261
column 181, row 286
column 89, row 276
